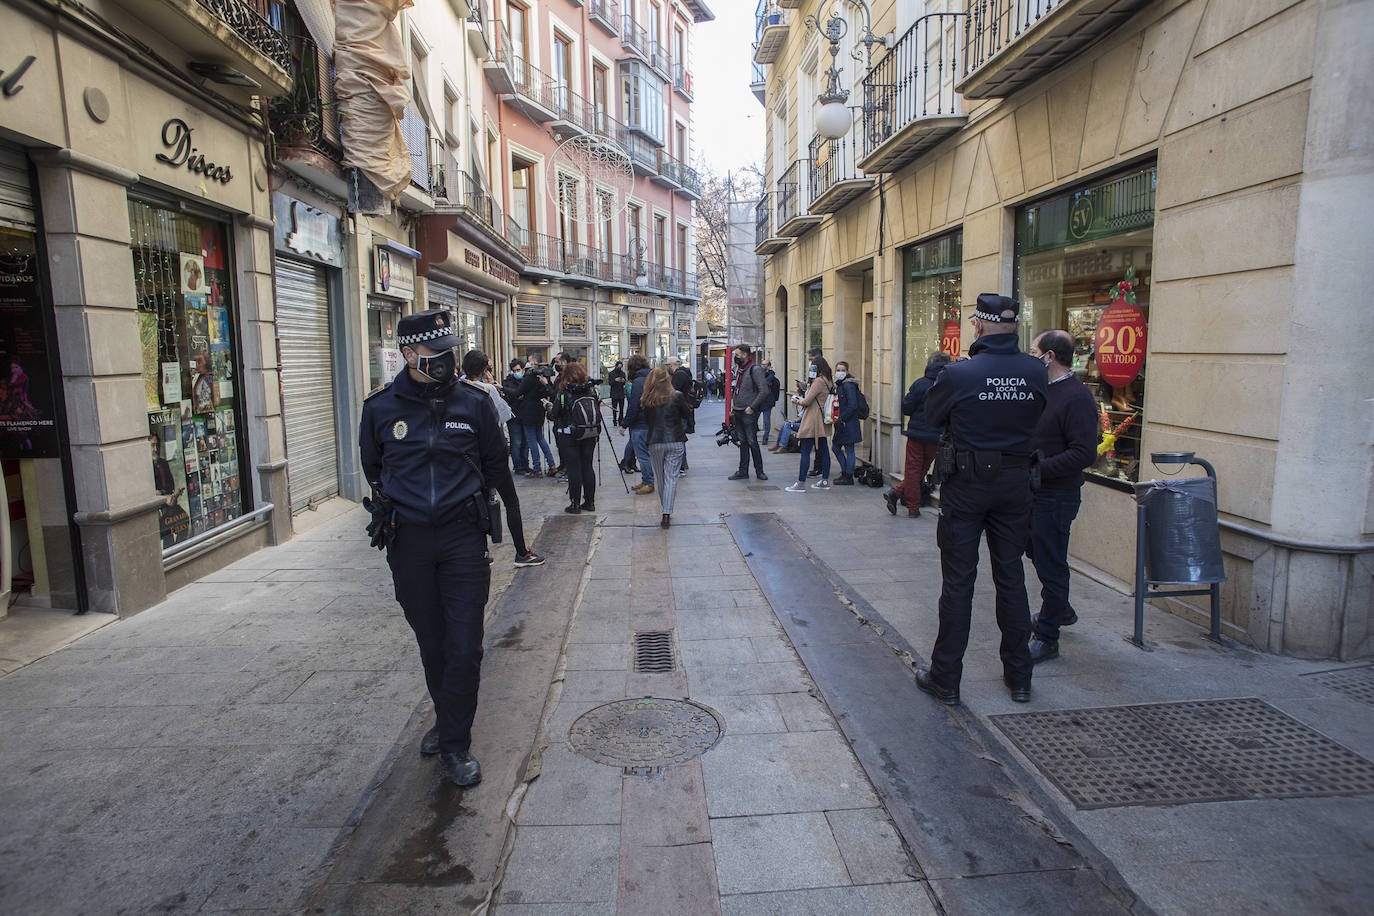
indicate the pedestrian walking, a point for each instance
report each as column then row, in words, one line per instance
column 666, row 410
column 814, row 428
column 510, row 390
column 774, row 392
column 576, row 414
column 921, row 440
column 1066, row 438
column 430, row 447
column 989, row 405
column 848, row 430
column 749, row 392
column 681, row 377
column 634, row 421
column 533, row 392
column 615, row 380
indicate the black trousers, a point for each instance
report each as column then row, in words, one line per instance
column 579, row 456
column 748, row 426
column 970, row 508
column 617, row 409
column 442, row 581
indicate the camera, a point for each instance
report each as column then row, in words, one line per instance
column 728, row 435
column 548, row 372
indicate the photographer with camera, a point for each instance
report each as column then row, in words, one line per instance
column 749, row 395
column 534, row 392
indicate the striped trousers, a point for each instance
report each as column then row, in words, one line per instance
column 666, row 458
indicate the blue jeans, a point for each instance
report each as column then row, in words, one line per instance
column 845, row 455
column 519, row 453
column 639, row 438
column 1052, row 514
column 767, row 422
column 787, row 433
column 823, row 454
column 534, row 436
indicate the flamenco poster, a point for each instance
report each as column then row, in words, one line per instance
column 28, row 427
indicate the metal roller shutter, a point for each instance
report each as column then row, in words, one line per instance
column 307, row 382
column 16, row 197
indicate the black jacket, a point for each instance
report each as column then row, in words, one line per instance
column 682, row 381
column 616, row 379
column 668, row 423
column 510, row 390
column 1066, row 435
column 992, row 400
column 423, row 445
column 560, row 408
column 530, row 410
column 633, row 417
column 914, row 405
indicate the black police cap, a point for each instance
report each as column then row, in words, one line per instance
column 997, row 309
column 433, row 328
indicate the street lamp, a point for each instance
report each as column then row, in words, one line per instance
column 834, row 119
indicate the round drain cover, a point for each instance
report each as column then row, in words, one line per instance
column 645, row 734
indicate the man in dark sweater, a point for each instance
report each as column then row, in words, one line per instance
column 1066, row 438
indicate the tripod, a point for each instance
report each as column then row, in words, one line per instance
column 611, row 443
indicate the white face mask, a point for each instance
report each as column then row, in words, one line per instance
column 841, row 375
column 812, row 373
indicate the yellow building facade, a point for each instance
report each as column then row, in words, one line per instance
column 1213, row 155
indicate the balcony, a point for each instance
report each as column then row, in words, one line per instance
column 690, row 181
column 499, row 68
column 834, row 179
column 770, row 34
column 606, row 14
column 478, row 39
column 758, row 83
column 238, row 33
column 765, row 241
column 633, row 38
column 794, row 219
column 573, row 115
column 642, row 152
column 1011, row 43
column 536, row 93
column 669, row 171
column 682, row 80
column 910, row 99
column 556, row 257
column 659, row 59
column 417, row 135
column 305, row 122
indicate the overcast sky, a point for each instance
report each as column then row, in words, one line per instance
column 727, row 119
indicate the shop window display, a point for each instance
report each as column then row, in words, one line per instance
column 184, row 289
column 934, row 282
column 813, row 316
column 1084, row 264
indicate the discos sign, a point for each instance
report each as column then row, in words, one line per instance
column 176, row 137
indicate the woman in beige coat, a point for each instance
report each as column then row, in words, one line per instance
column 814, row 429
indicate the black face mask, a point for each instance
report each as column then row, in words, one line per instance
column 439, row 368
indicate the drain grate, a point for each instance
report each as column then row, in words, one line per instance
column 654, row 652
column 1178, row 753
column 1356, row 683
column 642, row 736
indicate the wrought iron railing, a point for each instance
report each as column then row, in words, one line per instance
column 605, row 13
column 670, row 167
column 682, row 79
column 914, row 80
column 790, row 198
column 249, row 21
column 639, row 149
column 659, row 58
column 832, row 161
column 690, row 179
column 633, row 37
column 763, row 219
column 995, row 24
column 309, row 113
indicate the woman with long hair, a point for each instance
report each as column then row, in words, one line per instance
column 666, row 409
column 576, row 414
column 814, row 430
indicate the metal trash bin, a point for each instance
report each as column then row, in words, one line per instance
column 1182, row 536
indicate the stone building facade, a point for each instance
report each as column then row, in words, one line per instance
column 1219, row 150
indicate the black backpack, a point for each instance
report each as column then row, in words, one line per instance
column 584, row 417
column 862, row 413
column 774, row 390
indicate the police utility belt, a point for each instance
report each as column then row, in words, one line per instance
column 983, row 466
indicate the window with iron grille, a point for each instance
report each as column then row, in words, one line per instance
column 531, row 319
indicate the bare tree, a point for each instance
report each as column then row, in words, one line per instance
column 712, row 219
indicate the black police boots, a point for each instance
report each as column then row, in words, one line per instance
column 947, row 695
column 462, row 768
column 429, row 744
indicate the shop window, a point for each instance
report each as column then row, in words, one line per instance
column 812, row 316
column 538, row 354
column 663, row 347
column 608, row 350
column 933, row 274
column 185, row 302
column 1083, row 264
column 574, row 321
column 384, row 357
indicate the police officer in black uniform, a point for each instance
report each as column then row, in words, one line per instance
column 989, row 405
column 428, row 446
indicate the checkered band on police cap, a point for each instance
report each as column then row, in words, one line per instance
column 423, row 327
column 997, row 309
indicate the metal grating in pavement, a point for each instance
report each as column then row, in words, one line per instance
column 1356, row 683
column 654, row 652
column 1179, row 753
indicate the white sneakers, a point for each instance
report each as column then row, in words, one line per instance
column 822, row 484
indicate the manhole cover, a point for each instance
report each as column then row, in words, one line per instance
column 645, row 734
column 1177, row 753
column 1356, row 683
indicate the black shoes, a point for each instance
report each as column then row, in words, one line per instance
column 844, row 480
column 759, row 475
column 1073, row 619
column 588, row 506
column 529, row 558
column 665, row 521
column 947, row 695
column 1020, row 693
column 890, row 497
column 571, row 509
column 461, row 768
column 429, row 744
column 739, row 475
column 1042, row 650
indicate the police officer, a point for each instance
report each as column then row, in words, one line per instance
column 428, row 445
column 989, row 405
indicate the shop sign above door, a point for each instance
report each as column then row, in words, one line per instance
column 393, row 273
column 176, row 137
column 309, row 232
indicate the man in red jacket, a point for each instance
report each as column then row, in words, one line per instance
column 1066, row 438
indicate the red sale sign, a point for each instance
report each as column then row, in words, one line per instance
column 949, row 338
column 1120, row 342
